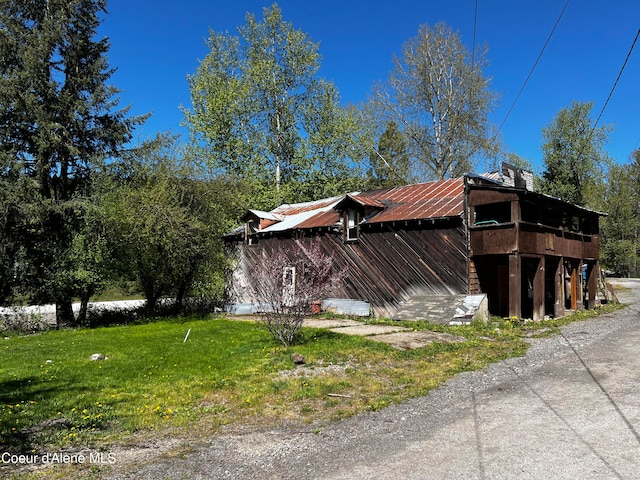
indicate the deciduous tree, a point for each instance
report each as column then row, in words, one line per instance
column 165, row 221
column 286, row 283
column 620, row 245
column 260, row 112
column 439, row 97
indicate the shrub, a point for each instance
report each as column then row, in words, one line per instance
column 288, row 281
column 21, row 321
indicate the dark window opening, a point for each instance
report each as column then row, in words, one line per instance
column 572, row 223
column 493, row 214
column 529, row 212
column 251, row 232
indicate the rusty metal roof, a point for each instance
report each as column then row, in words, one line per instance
column 421, row 201
column 366, row 201
column 321, row 219
column 440, row 199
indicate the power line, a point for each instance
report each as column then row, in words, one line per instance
column 615, row 84
column 534, row 67
column 473, row 45
column 633, row 44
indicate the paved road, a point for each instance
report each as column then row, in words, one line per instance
column 569, row 409
column 48, row 312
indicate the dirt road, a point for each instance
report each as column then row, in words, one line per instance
column 569, row 409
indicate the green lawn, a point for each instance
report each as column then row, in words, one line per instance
column 52, row 395
column 48, row 385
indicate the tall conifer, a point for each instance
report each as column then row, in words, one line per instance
column 59, row 120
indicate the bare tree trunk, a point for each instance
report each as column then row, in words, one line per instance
column 64, row 312
column 84, row 306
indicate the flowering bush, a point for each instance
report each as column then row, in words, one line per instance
column 286, row 282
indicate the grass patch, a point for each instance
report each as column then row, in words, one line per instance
column 227, row 372
column 52, row 394
column 118, row 292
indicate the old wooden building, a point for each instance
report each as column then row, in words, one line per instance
column 531, row 254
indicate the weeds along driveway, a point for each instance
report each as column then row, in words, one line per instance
column 569, row 409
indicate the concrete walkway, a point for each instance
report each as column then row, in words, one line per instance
column 397, row 336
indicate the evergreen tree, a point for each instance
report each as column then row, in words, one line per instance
column 58, row 121
column 390, row 161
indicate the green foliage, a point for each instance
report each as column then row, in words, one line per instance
column 164, row 223
column 573, row 154
column 390, row 161
column 150, row 377
column 19, row 321
column 57, row 109
column 260, row 113
column 58, row 120
column 227, row 371
column 15, row 195
column 620, row 245
column 441, row 100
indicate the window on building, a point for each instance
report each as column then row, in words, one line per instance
column 572, row 223
column 493, row 214
column 251, row 233
column 351, row 228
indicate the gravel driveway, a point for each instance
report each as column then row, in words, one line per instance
column 569, row 409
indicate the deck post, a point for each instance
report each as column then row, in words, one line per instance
column 515, row 280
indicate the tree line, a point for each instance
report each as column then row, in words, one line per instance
column 82, row 206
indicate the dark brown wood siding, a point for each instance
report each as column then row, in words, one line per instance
column 389, row 263
column 527, row 238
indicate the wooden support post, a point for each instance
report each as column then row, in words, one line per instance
column 538, row 291
column 558, row 307
column 515, row 280
column 592, row 285
column 515, row 211
column 580, row 295
column 574, row 287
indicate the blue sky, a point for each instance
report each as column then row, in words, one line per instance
column 155, row 44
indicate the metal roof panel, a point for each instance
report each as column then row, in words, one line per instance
column 422, row 201
column 411, row 202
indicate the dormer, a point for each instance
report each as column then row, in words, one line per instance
column 255, row 221
column 354, row 210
